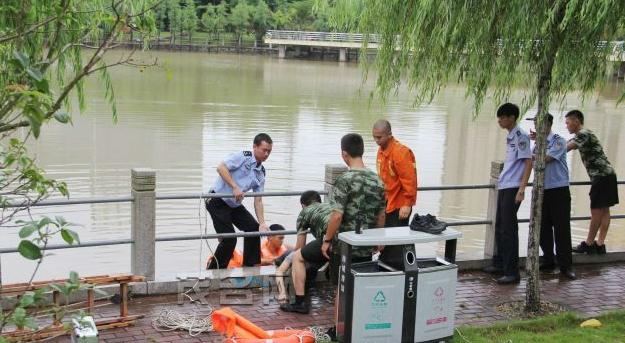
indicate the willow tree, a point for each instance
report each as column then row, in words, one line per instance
column 47, row 49
column 547, row 48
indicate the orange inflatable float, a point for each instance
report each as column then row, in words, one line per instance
column 238, row 329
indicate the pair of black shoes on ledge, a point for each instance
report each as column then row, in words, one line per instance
column 592, row 249
column 428, row 224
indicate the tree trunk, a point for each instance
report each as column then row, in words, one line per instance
column 532, row 291
column 552, row 43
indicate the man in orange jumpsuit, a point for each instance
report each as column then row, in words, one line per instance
column 397, row 168
column 272, row 248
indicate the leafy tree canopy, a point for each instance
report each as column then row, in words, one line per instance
column 490, row 44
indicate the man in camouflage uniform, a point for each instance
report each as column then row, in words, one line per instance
column 314, row 216
column 357, row 199
column 603, row 189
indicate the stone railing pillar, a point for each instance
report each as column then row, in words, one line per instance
column 621, row 71
column 343, row 55
column 143, row 221
column 490, row 246
column 333, row 171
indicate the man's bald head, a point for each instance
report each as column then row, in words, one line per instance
column 382, row 125
column 382, row 132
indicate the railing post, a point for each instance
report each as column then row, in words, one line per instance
column 333, row 171
column 490, row 246
column 143, row 220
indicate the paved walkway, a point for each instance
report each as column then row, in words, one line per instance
column 597, row 289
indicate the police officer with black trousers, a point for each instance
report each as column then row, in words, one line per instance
column 238, row 173
column 556, row 217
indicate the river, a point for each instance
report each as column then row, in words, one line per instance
column 183, row 117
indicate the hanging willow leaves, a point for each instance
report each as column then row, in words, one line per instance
column 544, row 49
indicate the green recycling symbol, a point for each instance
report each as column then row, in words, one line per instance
column 379, row 298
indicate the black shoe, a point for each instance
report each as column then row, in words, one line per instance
column 332, row 333
column 509, row 279
column 568, row 273
column 428, row 224
column 584, row 248
column 546, row 267
column 599, row 249
column 299, row 308
column 492, row 269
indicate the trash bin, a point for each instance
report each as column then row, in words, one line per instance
column 379, row 303
column 436, row 300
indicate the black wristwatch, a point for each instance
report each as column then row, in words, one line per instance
column 327, row 240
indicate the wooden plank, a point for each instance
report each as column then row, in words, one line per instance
column 90, row 299
column 110, row 320
column 56, row 299
column 15, row 289
column 123, row 304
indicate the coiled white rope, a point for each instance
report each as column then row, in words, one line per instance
column 170, row 320
column 320, row 334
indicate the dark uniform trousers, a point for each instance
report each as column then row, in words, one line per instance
column 556, row 223
column 224, row 217
column 393, row 255
column 507, row 232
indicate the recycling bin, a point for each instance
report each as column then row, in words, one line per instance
column 379, row 303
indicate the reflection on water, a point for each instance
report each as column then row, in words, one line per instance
column 215, row 104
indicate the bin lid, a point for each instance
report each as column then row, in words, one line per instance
column 401, row 235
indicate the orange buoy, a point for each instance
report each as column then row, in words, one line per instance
column 238, row 329
column 278, row 336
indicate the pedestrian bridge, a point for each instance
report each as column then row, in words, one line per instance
column 337, row 40
column 344, row 41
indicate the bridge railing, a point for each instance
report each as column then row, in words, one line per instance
column 143, row 198
column 322, row 36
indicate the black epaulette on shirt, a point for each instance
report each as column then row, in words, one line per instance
column 247, row 153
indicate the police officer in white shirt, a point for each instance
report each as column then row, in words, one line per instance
column 238, row 173
column 511, row 191
column 556, row 216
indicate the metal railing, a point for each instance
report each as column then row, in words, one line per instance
column 322, row 36
column 122, row 199
column 136, row 227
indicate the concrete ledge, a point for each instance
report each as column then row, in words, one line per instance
column 610, row 257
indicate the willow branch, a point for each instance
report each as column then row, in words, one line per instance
column 28, row 31
column 146, row 10
column 55, row 36
column 9, row 127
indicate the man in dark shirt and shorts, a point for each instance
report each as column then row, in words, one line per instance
column 603, row 189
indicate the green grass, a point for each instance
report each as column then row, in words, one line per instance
column 562, row 328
